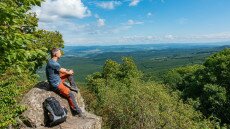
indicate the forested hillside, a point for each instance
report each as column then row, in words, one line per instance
column 206, row 86
column 154, row 62
column 194, row 96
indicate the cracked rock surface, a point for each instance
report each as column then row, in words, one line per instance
column 33, row 117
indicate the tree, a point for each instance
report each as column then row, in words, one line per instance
column 214, row 100
column 186, row 79
column 125, row 101
column 207, row 84
column 217, row 69
column 111, row 70
column 22, row 46
column 48, row 39
column 23, row 50
column 14, row 38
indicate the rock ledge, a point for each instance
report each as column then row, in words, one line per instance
column 33, row 117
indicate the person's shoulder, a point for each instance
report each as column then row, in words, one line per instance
column 52, row 62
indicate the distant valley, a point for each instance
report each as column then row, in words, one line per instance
column 152, row 59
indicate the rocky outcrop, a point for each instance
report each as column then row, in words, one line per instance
column 33, row 117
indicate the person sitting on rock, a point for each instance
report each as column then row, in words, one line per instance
column 56, row 77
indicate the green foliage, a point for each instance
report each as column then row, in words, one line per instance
column 129, row 69
column 48, row 39
column 124, row 101
column 182, row 77
column 114, row 71
column 217, row 68
column 187, row 80
column 22, row 46
column 23, row 50
column 14, row 23
column 207, row 84
column 12, row 86
column 214, row 100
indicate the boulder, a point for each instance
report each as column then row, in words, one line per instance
column 33, row 117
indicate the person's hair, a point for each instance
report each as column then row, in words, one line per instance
column 54, row 51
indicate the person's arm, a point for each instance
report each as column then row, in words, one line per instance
column 63, row 70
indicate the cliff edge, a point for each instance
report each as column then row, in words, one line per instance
column 33, row 117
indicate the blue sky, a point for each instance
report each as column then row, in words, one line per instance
column 115, row 22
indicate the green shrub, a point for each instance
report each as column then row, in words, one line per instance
column 127, row 102
column 207, row 85
column 23, row 48
column 12, row 87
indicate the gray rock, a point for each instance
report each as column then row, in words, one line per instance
column 33, row 117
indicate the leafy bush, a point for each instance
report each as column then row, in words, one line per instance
column 206, row 84
column 12, row 87
column 217, row 68
column 124, row 101
column 22, row 45
column 23, row 50
column 214, row 100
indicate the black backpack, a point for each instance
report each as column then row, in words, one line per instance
column 54, row 113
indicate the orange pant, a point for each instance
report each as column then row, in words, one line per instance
column 62, row 88
column 65, row 91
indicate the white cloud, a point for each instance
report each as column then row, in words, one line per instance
column 132, row 22
column 120, row 29
column 108, row 4
column 52, row 10
column 211, row 37
column 134, row 2
column 148, row 39
column 137, row 39
column 170, row 37
column 66, row 27
column 218, row 37
column 100, row 22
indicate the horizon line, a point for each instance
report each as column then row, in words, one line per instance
column 174, row 43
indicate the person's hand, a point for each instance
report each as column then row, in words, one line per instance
column 71, row 72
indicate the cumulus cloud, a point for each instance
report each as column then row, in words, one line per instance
column 132, row 22
column 66, row 27
column 134, row 2
column 100, row 22
column 52, row 10
column 108, row 4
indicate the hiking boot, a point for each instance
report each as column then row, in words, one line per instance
column 79, row 114
column 82, row 115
